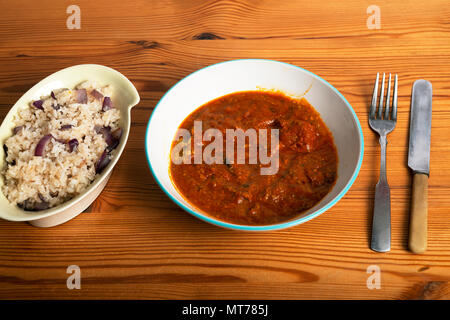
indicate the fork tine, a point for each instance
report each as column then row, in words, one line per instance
column 380, row 108
column 386, row 111
column 373, row 106
column 394, row 99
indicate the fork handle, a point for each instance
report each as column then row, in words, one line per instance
column 381, row 225
column 419, row 214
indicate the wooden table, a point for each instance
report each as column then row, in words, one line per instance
column 134, row 242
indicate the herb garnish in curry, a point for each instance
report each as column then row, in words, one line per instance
column 239, row 193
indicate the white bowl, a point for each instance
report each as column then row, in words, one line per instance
column 125, row 96
column 254, row 74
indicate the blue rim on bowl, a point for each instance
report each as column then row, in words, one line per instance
column 278, row 226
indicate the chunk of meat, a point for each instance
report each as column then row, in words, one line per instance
column 299, row 135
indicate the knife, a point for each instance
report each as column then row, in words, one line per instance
column 419, row 162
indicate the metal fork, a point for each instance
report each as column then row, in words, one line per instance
column 383, row 123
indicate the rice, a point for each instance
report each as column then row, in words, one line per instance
column 59, row 145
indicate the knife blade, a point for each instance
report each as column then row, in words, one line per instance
column 420, row 127
column 419, row 162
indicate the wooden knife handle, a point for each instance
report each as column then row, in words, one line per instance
column 419, row 214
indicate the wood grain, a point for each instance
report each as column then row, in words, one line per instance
column 135, row 243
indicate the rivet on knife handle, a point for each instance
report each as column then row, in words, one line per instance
column 419, row 162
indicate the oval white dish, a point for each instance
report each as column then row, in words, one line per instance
column 125, row 96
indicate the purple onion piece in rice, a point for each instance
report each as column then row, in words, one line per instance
column 28, row 205
column 103, row 130
column 54, row 194
column 73, row 145
column 53, row 95
column 107, row 104
column 24, row 205
column 44, row 205
column 41, row 197
column 109, row 137
column 117, row 133
column 17, row 129
column 113, row 145
column 96, row 94
column 57, row 107
column 81, row 96
column 39, row 151
column 98, row 129
column 38, row 104
column 66, row 127
column 102, row 162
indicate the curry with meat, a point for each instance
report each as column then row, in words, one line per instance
column 237, row 192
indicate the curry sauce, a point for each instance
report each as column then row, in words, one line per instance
column 237, row 192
